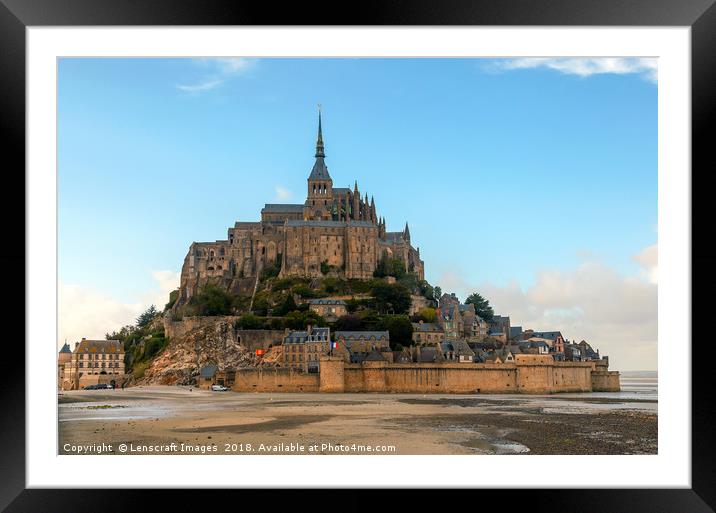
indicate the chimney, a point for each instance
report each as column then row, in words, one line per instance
column 77, row 345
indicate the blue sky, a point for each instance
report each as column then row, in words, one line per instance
column 504, row 169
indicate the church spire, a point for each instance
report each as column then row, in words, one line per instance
column 319, row 141
column 319, row 176
column 406, row 232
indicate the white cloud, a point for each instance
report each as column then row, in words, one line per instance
column 282, row 194
column 90, row 313
column 231, row 65
column 201, row 86
column 587, row 66
column 615, row 313
column 648, row 259
column 220, row 70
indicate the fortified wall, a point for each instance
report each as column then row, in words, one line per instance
column 530, row 374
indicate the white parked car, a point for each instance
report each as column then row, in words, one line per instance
column 219, row 388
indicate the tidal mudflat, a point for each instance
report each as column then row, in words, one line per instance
column 151, row 419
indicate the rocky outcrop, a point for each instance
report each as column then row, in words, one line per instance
column 216, row 343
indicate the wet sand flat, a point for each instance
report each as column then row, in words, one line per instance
column 150, row 419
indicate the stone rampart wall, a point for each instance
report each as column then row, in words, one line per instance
column 275, row 380
column 528, row 376
column 605, row 381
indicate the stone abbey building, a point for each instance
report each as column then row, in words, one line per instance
column 334, row 230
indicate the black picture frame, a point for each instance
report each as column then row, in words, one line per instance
column 16, row 15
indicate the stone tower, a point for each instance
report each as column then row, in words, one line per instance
column 320, row 185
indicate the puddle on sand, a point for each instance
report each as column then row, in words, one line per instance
column 491, row 446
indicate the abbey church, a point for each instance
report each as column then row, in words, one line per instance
column 335, row 230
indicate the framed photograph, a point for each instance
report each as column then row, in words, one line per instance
column 434, row 248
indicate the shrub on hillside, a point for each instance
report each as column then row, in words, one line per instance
column 212, row 300
column 391, row 298
column 249, row 322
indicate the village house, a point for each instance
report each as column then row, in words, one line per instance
column 555, row 339
column 427, row 332
column 355, row 346
column 516, row 333
column 573, row 353
column 587, row 352
column 302, row 349
column 92, row 362
column 534, row 346
column 329, row 309
column 457, row 350
column 500, row 327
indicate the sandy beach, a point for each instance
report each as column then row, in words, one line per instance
column 184, row 420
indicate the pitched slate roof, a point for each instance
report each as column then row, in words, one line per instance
column 330, row 224
column 320, row 333
column 462, row 348
column 65, row 348
column 208, row 371
column 362, row 335
column 99, row 346
column 283, row 208
column 394, row 236
column 427, row 354
column 427, row 327
column 319, row 171
column 295, row 337
column 341, row 191
column 374, row 356
column 402, row 357
column 551, row 335
column 326, row 302
column 300, row 337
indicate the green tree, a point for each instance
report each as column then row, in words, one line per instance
column 331, row 285
column 438, row 293
column 304, row 291
column 249, row 322
column 400, row 329
column 482, row 306
column 349, row 323
column 300, row 320
column 427, row 315
column 146, row 317
column 212, row 300
column 352, row 305
column 288, row 305
column 325, row 268
column 391, row 298
column 389, row 267
column 261, row 305
column 426, row 290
